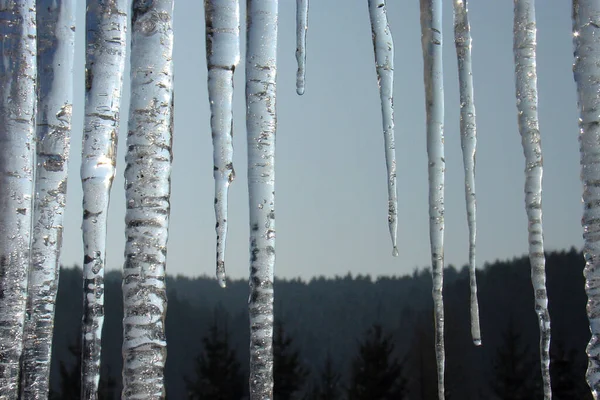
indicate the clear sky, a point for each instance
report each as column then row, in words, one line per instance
column 331, row 204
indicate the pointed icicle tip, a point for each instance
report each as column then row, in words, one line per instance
column 395, row 251
column 221, row 274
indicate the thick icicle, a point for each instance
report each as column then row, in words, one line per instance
column 222, row 57
column 106, row 25
column 468, row 140
column 148, row 191
column 586, row 38
column 383, row 45
column 261, row 123
column 56, row 35
column 527, row 106
column 301, row 28
column 431, row 39
column 17, row 147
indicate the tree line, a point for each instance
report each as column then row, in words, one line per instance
column 352, row 337
column 374, row 373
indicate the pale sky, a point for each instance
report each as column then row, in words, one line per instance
column 331, row 197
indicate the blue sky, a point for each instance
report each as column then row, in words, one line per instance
column 331, row 204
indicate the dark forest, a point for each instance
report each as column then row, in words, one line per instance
column 351, row 337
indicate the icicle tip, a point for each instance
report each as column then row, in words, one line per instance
column 477, row 341
column 221, row 274
column 395, row 252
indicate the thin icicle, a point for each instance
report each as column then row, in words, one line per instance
column 586, row 38
column 106, row 25
column 383, row 46
column 431, row 39
column 148, row 192
column 301, row 28
column 17, row 148
column 222, row 57
column 468, row 140
column 56, row 35
column 261, row 123
column 527, row 106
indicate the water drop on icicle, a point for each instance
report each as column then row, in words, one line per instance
column 527, row 106
column 431, row 39
column 468, row 139
column 383, row 46
column 301, row 28
column 586, row 38
column 221, row 276
column 261, row 125
column 222, row 57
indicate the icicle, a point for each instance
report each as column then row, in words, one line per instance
column 17, row 147
column 301, row 28
column 148, row 190
column 527, row 104
column 586, row 38
column 431, row 38
column 106, row 25
column 56, row 35
column 222, row 57
column 468, row 140
column 261, row 124
column 383, row 45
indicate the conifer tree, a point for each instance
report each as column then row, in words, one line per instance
column 515, row 369
column 218, row 373
column 288, row 373
column 375, row 373
column 70, row 379
column 567, row 383
column 329, row 387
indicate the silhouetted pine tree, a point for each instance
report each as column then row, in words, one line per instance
column 423, row 368
column 70, row 379
column 567, row 383
column 329, row 387
column 516, row 372
column 218, row 374
column 289, row 375
column 375, row 373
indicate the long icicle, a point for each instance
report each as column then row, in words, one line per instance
column 527, row 106
column 222, row 57
column 56, row 37
column 261, row 124
column 106, row 25
column 468, row 140
column 586, row 38
column 301, row 28
column 431, row 38
column 383, row 46
column 148, row 191
column 17, row 150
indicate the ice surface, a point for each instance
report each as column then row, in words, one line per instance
column 55, row 23
column 431, row 38
column 261, row 125
column 147, row 191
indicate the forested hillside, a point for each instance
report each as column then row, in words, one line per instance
column 328, row 329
